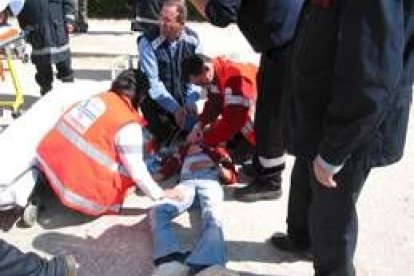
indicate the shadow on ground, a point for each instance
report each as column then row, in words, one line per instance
column 120, row 250
column 93, row 74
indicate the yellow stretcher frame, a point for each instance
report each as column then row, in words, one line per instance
column 18, row 102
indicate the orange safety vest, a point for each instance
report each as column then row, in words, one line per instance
column 79, row 155
column 225, row 70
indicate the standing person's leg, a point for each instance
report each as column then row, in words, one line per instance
column 13, row 262
column 210, row 249
column 82, row 16
column 44, row 76
column 333, row 221
column 269, row 161
column 64, row 70
column 297, row 238
column 166, row 247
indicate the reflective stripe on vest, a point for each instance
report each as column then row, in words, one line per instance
column 230, row 99
column 89, row 150
column 71, row 197
column 248, row 131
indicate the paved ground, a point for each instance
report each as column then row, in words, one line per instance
column 121, row 245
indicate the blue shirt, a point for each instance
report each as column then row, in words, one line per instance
column 158, row 91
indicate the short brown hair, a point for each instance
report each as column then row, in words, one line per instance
column 181, row 9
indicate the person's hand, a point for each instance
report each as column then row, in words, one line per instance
column 174, row 194
column 323, row 176
column 196, row 135
column 69, row 28
column 191, row 109
column 179, row 116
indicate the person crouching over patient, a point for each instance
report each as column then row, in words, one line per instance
column 94, row 153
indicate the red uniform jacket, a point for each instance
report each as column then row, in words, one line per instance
column 233, row 98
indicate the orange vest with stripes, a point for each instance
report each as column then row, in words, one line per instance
column 79, row 155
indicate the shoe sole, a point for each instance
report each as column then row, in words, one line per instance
column 71, row 265
column 256, row 197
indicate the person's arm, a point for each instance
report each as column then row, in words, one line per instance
column 235, row 113
column 149, row 65
column 69, row 11
column 369, row 63
column 220, row 13
column 130, row 145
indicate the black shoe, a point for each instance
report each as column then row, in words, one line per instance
column 258, row 191
column 286, row 243
column 68, row 78
column 45, row 89
column 81, row 28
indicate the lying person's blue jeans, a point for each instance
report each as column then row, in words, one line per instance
column 210, row 248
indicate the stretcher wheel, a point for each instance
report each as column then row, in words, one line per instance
column 16, row 114
column 29, row 216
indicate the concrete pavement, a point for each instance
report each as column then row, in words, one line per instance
column 121, row 245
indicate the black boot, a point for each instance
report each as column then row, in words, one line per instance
column 262, row 187
column 289, row 243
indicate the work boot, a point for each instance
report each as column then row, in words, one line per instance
column 261, row 188
column 67, row 78
column 45, row 89
column 285, row 242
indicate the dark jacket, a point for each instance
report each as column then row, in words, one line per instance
column 352, row 75
column 170, row 67
column 265, row 23
column 45, row 20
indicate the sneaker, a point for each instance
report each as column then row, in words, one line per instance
column 284, row 242
column 258, row 191
column 173, row 268
column 216, row 270
column 29, row 215
column 71, row 266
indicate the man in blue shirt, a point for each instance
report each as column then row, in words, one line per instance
column 171, row 102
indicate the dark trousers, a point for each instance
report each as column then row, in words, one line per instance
column 44, row 71
column 326, row 217
column 82, row 12
column 267, row 121
column 160, row 123
column 13, row 262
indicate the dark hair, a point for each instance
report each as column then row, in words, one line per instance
column 193, row 65
column 132, row 83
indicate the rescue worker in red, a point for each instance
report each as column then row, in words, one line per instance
column 94, row 153
column 229, row 109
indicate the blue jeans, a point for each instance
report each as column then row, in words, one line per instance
column 210, row 248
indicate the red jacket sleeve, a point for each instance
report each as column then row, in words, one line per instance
column 211, row 110
column 234, row 114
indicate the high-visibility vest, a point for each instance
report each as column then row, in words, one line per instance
column 79, row 155
column 225, row 69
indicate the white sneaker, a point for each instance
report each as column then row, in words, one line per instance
column 173, row 268
column 217, row 270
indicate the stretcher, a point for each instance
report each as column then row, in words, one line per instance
column 11, row 45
